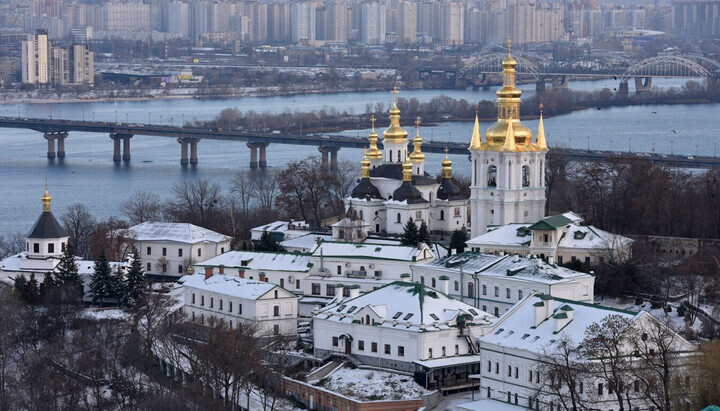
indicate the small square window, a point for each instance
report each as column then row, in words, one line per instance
column 401, row 351
column 361, row 345
column 373, row 347
column 387, row 349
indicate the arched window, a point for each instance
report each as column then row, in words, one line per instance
column 398, row 220
column 391, row 156
column 442, row 214
column 471, row 290
column 525, row 176
column 367, row 319
column 362, row 268
column 492, row 176
column 399, row 157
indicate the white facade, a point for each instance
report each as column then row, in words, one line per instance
column 167, row 249
column 495, row 283
column 237, row 300
column 35, row 61
column 397, row 325
column 510, row 350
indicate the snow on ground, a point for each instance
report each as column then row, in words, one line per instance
column 105, row 314
column 371, row 385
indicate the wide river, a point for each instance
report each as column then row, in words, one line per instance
column 88, row 174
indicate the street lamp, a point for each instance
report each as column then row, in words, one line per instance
column 116, row 116
column 83, row 111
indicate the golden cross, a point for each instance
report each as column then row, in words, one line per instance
column 372, row 120
column 394, row 92
column 541, row 107
column 417, row 122
column 509, row 42
column 446, row 151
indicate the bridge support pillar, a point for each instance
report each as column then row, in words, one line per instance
column 125, row 139
column 643, row 84
column 540, row 86
column 51, row 145
column 263, row 155
column 560, row 82
column 193, row 151
column 60, row 137
column 329, row 152
column 624, row 88
column 254, row 148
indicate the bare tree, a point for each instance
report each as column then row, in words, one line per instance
column 605, row 344
column 341, row 184
column 566, row 373
column 11, row 245
column 80, row 225
column 142, row 206
column 661, row 358
column 198, row 202
column 110, row 237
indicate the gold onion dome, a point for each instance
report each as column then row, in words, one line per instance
column 417, row 156
column 365, row 165
column 508, row 102
column 407, row 170
column 446, row 165
column 46, row 199
column 395, row 133
column 374, row 152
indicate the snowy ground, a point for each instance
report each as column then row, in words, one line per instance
column 371, row 385
column 105, row 314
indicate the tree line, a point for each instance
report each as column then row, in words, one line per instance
column 445, row 108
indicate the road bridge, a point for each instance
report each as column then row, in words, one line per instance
column 55, row 131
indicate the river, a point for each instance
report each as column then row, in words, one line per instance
column 88, row 174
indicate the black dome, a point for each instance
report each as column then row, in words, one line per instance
column 449, row 191
column 365, row 189
column 47, row 226
column 408, row 192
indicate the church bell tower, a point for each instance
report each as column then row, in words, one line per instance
column 508, row 168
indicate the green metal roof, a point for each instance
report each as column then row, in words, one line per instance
column 551, row 223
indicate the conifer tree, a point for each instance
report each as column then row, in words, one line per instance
column 457, row 241
column 423, row 235
column 267, row 243
column 66, row 272
column 133, row 286
column 103, row 284
column 410, row 233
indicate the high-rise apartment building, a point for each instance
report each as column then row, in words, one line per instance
column 177, row 18
column 35, row 63
column 303, row 22
column 373, row 23
column 407, row 26
column 452, row 23
column 82, row 65
column 126, row 16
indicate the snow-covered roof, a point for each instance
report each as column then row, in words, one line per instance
column 230, row 285
column 587, row 236
column 85, row 267
column 370, row 385
column 506, row 235
column 306, row 242
column 260, row 260
column 489, row 404
column 410, row 306
column 177, row 232
column 276, row 226
column 519, row 268
column 448, row 361
column 516, row 329
column 369, row 250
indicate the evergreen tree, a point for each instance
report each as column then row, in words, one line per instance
column 457, row 241
column 66, row 272
column 267, row 243
column 410, row 233
column 31, row 292
column 102, row 285
column 48, row 285
column 423, row 235
column 133, row 287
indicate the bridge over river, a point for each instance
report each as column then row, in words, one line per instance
column 55, row 131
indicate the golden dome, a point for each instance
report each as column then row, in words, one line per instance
column 407, row 170
column 446, row 165
column 417, row 156
column 46, row 199
column 374, row 153
column 365, row 165
column 509, row 115
column 395, row 133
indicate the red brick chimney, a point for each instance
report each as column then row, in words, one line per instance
column 208, row 272
column 222, row 269
column 241, row 273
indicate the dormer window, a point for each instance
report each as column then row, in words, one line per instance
column 434, row 317
column 579, row 235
